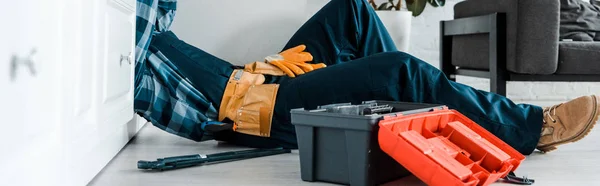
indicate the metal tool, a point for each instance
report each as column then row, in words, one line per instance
column 378, row 109
column 362, row 109
column 177, row 162
column 512, row 178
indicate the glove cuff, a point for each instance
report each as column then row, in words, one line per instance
column 263, row 68
column 274, row 57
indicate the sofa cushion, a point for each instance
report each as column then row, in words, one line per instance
column 579, row 58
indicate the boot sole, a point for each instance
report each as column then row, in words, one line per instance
column 581, row 135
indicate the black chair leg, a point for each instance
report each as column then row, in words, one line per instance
column 497, row 38
column 448, row 74
column 498, row 85
column 446, row 54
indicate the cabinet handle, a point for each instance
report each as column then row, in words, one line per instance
column 125, row 57
column 16, row 61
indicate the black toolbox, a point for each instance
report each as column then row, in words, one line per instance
column 338, row 142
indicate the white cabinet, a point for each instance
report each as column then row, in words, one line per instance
column 9, row 94
column 117, row 79
column 101, row 100
column 30, row 130
column 33, row 69
column 127, row 4
column 66, row 88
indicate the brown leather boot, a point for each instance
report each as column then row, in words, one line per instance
column 568, row 122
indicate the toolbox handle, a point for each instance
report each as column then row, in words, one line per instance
column 418, row 111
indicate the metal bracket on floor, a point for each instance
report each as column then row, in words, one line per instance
column 177, row 162
column 512, row 178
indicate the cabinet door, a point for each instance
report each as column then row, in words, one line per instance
column 101, row 85
column 117, row 65
column 127, row 4
column 11, row 107
column 30, row 108
column 82, row 53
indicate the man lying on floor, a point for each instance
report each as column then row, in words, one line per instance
column 184, row 90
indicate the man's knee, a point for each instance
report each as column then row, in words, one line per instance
column 402, row 59
column 393, row 57
column 345, row 4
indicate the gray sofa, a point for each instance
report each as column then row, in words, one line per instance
column 514, row 40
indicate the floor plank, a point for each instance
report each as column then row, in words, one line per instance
column 574, row 164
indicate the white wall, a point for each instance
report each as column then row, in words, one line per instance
column 241, row 31
column 216, row 31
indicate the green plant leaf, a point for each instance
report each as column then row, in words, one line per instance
column 437, row 3
column 441, row 2
column 433, row 3
column 383, row 6
column 416, row 6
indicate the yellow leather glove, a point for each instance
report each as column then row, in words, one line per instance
column 291, row 62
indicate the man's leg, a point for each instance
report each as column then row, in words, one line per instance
column 346, row 30
column 397, row 76
column 206, row 72
column 343, row 30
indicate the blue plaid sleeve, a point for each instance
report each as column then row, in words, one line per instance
column 162, row 95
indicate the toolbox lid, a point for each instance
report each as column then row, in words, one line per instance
column 444, row 147
column 355, row 116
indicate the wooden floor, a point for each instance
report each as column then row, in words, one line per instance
column 574, row 164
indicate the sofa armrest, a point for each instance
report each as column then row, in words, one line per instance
column 494, row 26
column 532, row 35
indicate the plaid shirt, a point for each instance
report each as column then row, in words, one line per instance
column 162, row 95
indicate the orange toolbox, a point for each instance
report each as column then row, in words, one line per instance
column 444, row 147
